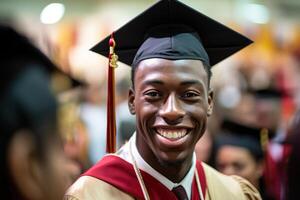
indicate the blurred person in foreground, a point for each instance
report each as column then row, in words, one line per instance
column 32, row 161
column 172, row 99
column 238, row 151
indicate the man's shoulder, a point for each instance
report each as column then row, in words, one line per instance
column 104, row 180
column 90, row 188
column 220, row 186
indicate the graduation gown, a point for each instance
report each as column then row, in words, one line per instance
column 115, row 178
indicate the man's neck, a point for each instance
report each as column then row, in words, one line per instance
column 173, row 171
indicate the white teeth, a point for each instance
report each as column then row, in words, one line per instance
column 172, row 134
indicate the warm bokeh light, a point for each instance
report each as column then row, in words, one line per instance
column 52, row 13
column 256, row 13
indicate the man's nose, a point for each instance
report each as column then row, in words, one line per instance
column 171, row 111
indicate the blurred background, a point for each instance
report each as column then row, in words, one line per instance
column 258, row 87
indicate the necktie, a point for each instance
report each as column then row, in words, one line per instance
column 180, row 193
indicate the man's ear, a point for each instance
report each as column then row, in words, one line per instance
column 210, row 102
column 131, row 99
column 25, row 168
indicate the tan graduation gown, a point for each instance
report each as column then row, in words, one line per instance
column 219, row 187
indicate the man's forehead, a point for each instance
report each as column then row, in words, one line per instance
column 179, row 72
column 157, row 68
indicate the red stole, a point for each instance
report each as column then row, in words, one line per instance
column 119, row 173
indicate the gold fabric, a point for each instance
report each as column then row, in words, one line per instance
column 90, row 188
column 219, row 187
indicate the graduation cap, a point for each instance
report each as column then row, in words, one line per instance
column 268, row 93
column 17, row 49
column 26, row 98
column 236, row 134
column 171, row 30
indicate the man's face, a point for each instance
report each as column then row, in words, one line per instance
column 171, row 102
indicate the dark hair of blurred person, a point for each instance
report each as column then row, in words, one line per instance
column 32, row 163
column 239, row 152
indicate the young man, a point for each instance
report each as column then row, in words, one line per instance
column 170, row 48
column 32, row 161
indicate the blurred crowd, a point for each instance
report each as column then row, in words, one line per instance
column 254, row 130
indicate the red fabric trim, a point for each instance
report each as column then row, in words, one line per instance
column 120, row 174
column 202, row 178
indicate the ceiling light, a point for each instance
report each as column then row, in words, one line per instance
column 256, row 13
column 52, row 13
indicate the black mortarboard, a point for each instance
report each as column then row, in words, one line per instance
column 172, row 30
column 268, row 93
column 241, row 135
column 16, row 49
column 26, row 98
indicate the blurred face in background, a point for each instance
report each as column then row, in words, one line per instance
column 38, row 173
column 60, row 171
column 32, row 162
column 233, row 160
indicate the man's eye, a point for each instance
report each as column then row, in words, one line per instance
column 153, row 94
column 190, row 95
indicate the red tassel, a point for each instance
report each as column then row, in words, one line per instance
column 111, row 114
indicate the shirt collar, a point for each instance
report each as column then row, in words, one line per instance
column 143, row 165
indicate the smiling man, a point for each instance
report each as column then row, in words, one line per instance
column 171, row 48
column 171, row 102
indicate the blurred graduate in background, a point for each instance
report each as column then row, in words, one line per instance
column 32, row 162
column 239, row 151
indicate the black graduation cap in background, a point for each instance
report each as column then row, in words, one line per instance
column 16, row 49
column 171, row 30
column 218, row 40
column 26, row 98
column 237, row 134
column 268, row 93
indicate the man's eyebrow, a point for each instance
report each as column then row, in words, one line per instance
column 183, row 83
column 191, row 82
column 153, row 82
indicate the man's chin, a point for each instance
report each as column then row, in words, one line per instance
column 168, row 162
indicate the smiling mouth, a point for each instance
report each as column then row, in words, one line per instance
column 172, row 134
